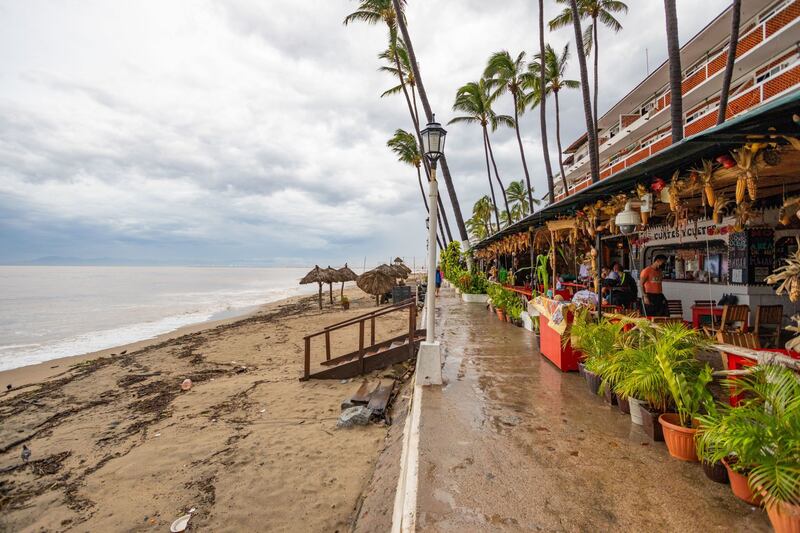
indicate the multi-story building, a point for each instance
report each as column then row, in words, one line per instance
column 767, row 66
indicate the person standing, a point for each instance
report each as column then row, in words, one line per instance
column 438, row 280
column 650, row 284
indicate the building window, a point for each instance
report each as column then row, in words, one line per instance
column 694, row 68
column 701, row 112
column 613, row 131
column 653, row 139
column 769, row 12
column 647, row 107
column 777, row 69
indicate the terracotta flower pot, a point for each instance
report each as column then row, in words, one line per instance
column 716, row 472
column 501, row 314
column 679, row 439
column 740, row 487
column 784, row 517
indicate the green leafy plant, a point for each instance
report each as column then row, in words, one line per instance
column 514, row 305
column 646, row 354
column 450, row 261
column 761, row 436
column 542, row 273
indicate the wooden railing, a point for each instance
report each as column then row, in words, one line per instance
column 361, row 320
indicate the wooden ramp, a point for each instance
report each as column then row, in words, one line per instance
column 370, row 355
column 377, row 356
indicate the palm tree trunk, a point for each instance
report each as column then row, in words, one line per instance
column 415, row 121
column 496, row 174
column 591, row 132
column 675, row 75
column 736, row 11
column 423, row 96
column 542, row 111
column 521, row 149
column 558, row 143
column 596, row 72
column 489, row 176
column 320, row 294
column 330, row 288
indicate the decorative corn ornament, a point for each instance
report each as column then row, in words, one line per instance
column 741, row 187
column 788, row 276
column 794, row 291
column 752, row 186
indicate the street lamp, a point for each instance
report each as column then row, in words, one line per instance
column 429, row 365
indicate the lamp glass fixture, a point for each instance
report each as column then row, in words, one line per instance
column 433, row 137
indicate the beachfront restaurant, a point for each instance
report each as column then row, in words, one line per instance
column 721, row 207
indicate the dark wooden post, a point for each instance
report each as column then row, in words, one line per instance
column 372, row 331
column 412, row 327
column 307, row 364
column 361, row 345
column 327, row 345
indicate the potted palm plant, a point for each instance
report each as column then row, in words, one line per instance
column 639, row 367
column 599, row 342
column 690, row 395
column 759, row 442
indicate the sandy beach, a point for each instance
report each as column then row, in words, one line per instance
column 116, row 445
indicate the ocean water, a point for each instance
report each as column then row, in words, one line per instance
column 52, row 312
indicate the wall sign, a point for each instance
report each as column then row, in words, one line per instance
column 662, row 235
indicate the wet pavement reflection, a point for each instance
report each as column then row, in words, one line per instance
column 509, row 442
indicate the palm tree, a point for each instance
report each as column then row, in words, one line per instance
column 596, row 10
column 736, row 11
column 404, row 144
column 423, row 96
column 474, row 100
column 506, row 74
column 675, row 77
column 543, row 112
column 375, row 11
column 591, row 130
column 399, row 66
column 520, row 197
column 480, row 223
column 555, row 67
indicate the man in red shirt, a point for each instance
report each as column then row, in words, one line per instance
column 650, row 284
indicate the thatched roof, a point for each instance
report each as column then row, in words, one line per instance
column 398, row 260
column 346, row 274
column 333, row 275
column 376, row 281
column 316, row 275
column 403, row 267
column 395, row 271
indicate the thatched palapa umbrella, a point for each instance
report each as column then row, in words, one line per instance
column 394, row 271
column 377, row 281
column 345, row 274
column 333, row 277
column 319, row 276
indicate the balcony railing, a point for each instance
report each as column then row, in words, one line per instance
column 753, row 96
column 751, row 39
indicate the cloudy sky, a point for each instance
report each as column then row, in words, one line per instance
column 221, row 131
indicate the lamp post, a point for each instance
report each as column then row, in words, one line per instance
column 429, row 368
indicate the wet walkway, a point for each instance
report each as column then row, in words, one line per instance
column 511, row 443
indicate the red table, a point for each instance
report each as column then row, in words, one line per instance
column 520, row 290
column 550, row 346
column 738, row 362
column 699, row 311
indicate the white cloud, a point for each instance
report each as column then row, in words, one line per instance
column 239, row 129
